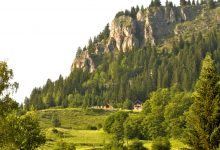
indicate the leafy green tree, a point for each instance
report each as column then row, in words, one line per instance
column 24, row 131
column 155, row 119
column 133, row 128
column 174, row 114
column 203, row 118
column 17, row 132
column 115, row 124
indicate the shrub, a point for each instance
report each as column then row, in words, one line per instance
column 99, row 126
column 90, row 127
column 54, row 130
column 161, row 144
column 137, row 145
column 56, row 121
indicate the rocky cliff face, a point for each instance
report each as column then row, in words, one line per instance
column 83, row 61
column 152, row 25
column 123, row 34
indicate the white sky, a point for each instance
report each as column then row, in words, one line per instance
column 39, row 38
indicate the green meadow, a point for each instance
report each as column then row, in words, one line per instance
column 82, row 128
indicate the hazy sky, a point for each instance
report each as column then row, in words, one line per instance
column 39, row 38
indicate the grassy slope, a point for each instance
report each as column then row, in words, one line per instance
column 74, row 123
column 73, row 118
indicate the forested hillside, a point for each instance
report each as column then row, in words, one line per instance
column 110, row 71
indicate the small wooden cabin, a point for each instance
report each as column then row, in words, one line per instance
column 137, row 105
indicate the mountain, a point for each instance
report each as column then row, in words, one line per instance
column 153, row 25
column 144, row 49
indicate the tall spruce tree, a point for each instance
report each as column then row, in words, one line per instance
column 211, row 4
column 183, row 2
column 203, row 118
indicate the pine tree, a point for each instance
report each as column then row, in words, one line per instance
column 193, row 2
column 203, row 118
column 157, row 3
column 189, row 2
column 183, row 2
column 211, row 4
column 151, row 3
column 166, row 4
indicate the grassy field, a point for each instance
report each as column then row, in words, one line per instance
column 73, row 118
column 76, row 129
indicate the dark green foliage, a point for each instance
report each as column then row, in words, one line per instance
column 165, row 113
column 115, row 124
column 24, row 132
column 17, row 129
column 129, row 76
column 203, row 118
column 79, row 52
column 90, row 127
column 127, row 104
column 56, row 121
column 174, row 114
column 161, row 144
column 136, row 145
column 114, row 145
column 155, row 119
column 120, row 13
column 132, row 13
column 155, row 3
column 211, row 4
column 133, row 128
column 183, row 3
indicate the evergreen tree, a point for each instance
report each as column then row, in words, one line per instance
column 193, row 2
column 189, row 2
column 203, row 118
column 183, row 2
column 157, row 3
column 211, row 4
column 151, row 3
column 166, row 4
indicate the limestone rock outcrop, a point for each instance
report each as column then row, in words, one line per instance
column 150, row 26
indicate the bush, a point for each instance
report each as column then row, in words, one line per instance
column 56, row 121
column 99, row 126
column 136, row 145
column 161, row 144
column 90, row 127
column 54, row 130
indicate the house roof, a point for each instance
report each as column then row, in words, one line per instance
column 137, row 102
